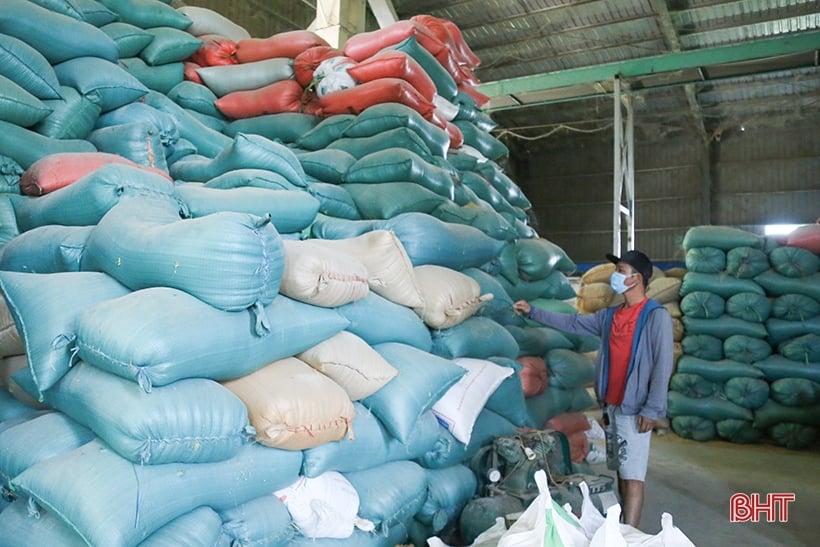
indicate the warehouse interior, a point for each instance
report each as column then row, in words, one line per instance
column 159, row 386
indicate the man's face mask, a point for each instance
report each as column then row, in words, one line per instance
column 618, row 282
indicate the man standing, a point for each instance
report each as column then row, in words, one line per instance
column 632, row 370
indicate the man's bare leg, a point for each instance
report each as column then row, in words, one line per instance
column 631, row 492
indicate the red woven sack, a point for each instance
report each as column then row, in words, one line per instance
column 281, row 96
column 392, row 63
column 284, row 44
column 534, row 377
column 384, row 90
column 189, row 72
column 215, row 51
column 569, row 422
column 58, row 170
column 366, row 44
column 479, row 98
column 806, row 237
column 306, row 62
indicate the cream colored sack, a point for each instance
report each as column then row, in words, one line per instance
column 677, row 329
column 593, row 297
column 352, row 363
column 389, row 268
column 449, row 296
column 321, row 276
column 664, row 289
column 293, row 406
column 598, row 274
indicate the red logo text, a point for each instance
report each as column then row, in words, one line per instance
column 750, row 507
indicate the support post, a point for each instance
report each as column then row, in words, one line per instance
column 623, row 206
column 338, row 20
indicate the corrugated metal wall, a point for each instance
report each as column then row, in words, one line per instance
column 747, row 179
column 570, row 186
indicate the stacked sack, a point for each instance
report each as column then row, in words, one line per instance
column 749, row 311
column 225, row 328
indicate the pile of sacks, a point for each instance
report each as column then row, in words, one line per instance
column 751, row 313
column 225, row 330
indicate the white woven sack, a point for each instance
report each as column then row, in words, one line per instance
column 207, row 21
column 449, row 296
column 352, row 363
column 321, row 276
column 10, row 341
column 326, row 506
column 390, row 271
column 292, row 406
column 459, row 407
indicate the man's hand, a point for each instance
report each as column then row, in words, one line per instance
column 522, row 306
column 645, row 424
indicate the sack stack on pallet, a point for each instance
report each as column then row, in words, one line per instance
column 752, row 340
column 235, row 311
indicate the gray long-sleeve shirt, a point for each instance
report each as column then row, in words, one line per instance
column 651, row 361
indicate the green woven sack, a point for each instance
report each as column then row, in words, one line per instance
column 747, row 392
column 703, row 346
column 795, row 391
column 129, row 38
column 705, row 260
column 18, row 106
column 794, row 261
column 738, row 431
column 389, row 199
column 508, row 189
column 804, row 348
column 749, row 307
column 326, row 165
column 722, row 237
column 400, row 165
column 538, row 341
column 711, row 408
column 692, row 385
column 717, row 371
column 197, row 97
column 486, row 191
column 445, row 84
column 385, row 116
column 538, row 257
column 693, row 427
column 723, row 327
column 781, row 330
column 325, row 132
column 795, row 307
column 148, row 13
column 794, row 436
column 776, row 367
column 568, row 369
column 334, row 201
column 481, row 216
column 746, row 349
column 721, row 284
column 27, row 67
column 482, row 141
column 398, row 137
column 778, row 285
column 703, row 305
column 169, row 45
column 746, row 262
column 772, row 413
column 26, row 147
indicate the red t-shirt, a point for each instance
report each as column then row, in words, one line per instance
column 620, row 350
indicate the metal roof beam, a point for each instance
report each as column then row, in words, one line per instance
column 383, row 11
column 645, row 66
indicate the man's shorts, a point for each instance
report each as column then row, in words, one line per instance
column 636, row 458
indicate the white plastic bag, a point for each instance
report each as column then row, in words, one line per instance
column 324, row 507
column 544, row 523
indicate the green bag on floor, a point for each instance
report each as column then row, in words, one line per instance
column 746, row 262
column 738, row 431
column 705, row 260
column 794, row 261
column 693, row 427
column 794, row 436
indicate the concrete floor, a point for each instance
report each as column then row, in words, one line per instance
column 693, row 482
